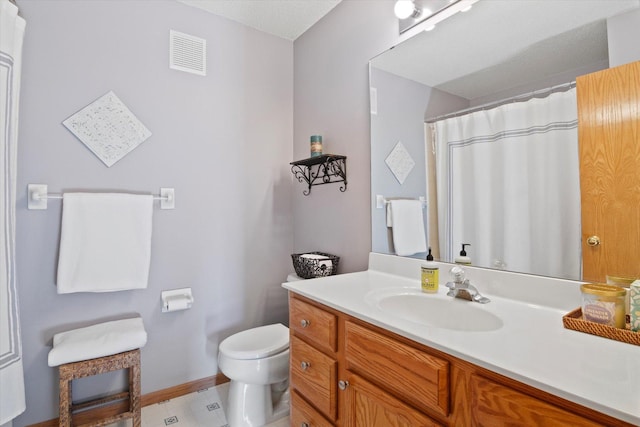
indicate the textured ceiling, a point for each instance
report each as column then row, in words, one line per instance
column 501, row 44
column 283, row 18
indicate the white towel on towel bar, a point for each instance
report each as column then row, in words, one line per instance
column 408, row 227
column 105, row 242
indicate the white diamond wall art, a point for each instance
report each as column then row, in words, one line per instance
column 400, row 162
column 108, row 128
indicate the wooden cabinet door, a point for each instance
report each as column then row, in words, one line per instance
column 495, row 405
column 368, row 406
column 609, row 141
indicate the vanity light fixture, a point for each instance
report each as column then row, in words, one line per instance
column 406, row 9
column 431, row 12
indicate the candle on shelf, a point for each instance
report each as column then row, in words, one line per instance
column 316, row 145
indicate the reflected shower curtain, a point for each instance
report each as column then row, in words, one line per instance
column 508, row 184
column 12, row 401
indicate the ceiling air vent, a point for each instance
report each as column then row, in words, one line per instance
column 187, row 53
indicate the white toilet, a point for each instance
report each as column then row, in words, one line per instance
column 257, row 363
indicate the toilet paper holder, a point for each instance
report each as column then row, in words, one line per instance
column 176, row 299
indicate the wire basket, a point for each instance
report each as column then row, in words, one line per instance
column 321, row 266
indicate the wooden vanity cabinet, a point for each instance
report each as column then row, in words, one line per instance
column 359, row 375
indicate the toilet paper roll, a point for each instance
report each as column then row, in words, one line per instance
column 178, row 303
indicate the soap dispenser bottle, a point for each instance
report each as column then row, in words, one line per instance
column 463, row 258
column 429, row 278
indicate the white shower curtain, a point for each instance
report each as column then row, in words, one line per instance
column 12, row 401
column 508, row 184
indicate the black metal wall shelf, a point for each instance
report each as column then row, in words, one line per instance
column 319, row 170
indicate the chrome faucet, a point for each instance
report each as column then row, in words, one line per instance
column 462, row 288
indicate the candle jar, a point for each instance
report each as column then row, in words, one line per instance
column 316, row 145
column 604, row 304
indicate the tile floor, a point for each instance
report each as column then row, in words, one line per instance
column 199, row 409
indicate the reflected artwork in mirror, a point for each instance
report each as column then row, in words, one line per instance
column 487, row 106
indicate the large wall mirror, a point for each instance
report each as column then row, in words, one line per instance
column 479, row 117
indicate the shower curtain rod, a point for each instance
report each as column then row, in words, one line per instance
column 517, row 98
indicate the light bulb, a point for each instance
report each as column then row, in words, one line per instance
column 404, row 9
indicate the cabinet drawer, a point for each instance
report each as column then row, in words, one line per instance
column 315, row 324
column 303, row 414
column 494, row 404
column 411, row 374
column 314, row 375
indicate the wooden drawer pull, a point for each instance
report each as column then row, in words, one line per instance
column 305, row 365
column 304, row 323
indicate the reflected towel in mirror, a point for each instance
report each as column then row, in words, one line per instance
column 407, row 226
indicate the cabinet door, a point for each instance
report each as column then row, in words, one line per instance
column 368, row 406
column 495, row 405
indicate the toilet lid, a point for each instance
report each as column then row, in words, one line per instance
column 257, row 343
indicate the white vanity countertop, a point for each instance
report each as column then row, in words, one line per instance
column 532, row 346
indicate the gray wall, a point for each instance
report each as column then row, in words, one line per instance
column 402, row 108
column 400, row 117
column 623, row 32
column 331, row 97
column 222, row 141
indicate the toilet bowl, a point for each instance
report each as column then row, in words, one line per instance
column 257, row 363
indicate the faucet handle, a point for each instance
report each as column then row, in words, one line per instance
column 457, row 274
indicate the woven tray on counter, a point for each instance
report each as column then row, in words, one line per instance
column 573, row 320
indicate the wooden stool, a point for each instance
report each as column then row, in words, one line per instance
column 96, row 350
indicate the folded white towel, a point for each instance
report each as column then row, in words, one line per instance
column 105, row 242
column 103, row 339
column 408, row 227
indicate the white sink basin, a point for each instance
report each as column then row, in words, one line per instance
column 435, row 310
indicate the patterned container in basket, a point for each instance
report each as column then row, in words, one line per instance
column 310, row 265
